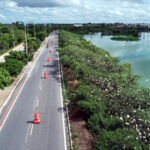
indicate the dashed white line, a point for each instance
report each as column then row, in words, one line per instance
column 31, row 130
column 27, row 133
column 40, row 87
column 37, row 103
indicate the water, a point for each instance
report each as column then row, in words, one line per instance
column 137, row 53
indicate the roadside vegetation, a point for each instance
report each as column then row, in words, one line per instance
column 123, row 38
column 15, row 61
column 107, row 94
column 9, row 37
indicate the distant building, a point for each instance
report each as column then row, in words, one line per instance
column 20, row 22
column 78, row 25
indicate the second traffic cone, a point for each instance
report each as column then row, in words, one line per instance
column 50, row 51
column 48, row 59
column 36, row 118
column 45, row 75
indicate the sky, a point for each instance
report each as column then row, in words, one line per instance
column 75, row 11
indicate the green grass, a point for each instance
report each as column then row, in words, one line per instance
column 123, row 38
column 3, row 51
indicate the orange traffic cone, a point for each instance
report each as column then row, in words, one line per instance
column 50, row 51
column 48, row 59
column 36, row 118
column 45, row 75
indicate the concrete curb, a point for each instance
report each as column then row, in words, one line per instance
column 67, row 114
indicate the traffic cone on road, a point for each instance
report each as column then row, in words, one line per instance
column 45, row 75
column 48, row 59
column 36, row 118
column 50, row 51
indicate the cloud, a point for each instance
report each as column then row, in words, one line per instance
column 70, row 11
column 46, row 3
column 2, row 16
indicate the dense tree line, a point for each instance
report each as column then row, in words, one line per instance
column 13, row 34
column 115, row 108
column 10, row 36
column 105, row 29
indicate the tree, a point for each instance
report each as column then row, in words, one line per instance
column 41, row 35
column 5, row 78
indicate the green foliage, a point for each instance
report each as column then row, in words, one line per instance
column 99, row 121
column 7, row 39
column 119, row 139
column 74, row 136
column 41, row 35
column 5, row 78
column 122, row 38
column 13, row 66
column 91, row 107
column 15, row 61
column 21, row 56
column 108, row 94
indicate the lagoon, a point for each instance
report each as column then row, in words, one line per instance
column 137, row 53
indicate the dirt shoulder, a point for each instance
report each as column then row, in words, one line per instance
column 82, row 139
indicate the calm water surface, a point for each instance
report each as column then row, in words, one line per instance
column 137, row 53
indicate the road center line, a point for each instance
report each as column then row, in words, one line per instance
column 37, row 103
column 27, row 133
column 40, row 87
column 31, row 130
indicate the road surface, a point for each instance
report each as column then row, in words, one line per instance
column 36, row 94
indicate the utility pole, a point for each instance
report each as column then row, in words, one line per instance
column 26, row 40
column 34, row 31
column 45, row 27
column 13, row 35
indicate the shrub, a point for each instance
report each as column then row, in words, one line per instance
column 41, row 35
column 91, row 107
column 99, row 121
column 5, row 78
column 21, row 56
column 13, row 66
column 120, row 139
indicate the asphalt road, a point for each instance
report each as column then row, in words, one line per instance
column 37, row 95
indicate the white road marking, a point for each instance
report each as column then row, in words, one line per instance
column 37, row 103
column 40, row 87
column 27, row 133
column 65, row 142
column 31, row 130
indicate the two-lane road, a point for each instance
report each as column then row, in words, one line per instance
column 37, row 95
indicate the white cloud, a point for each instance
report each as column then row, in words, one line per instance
column 2, row 16
column 46, row 3
column 70, row 11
